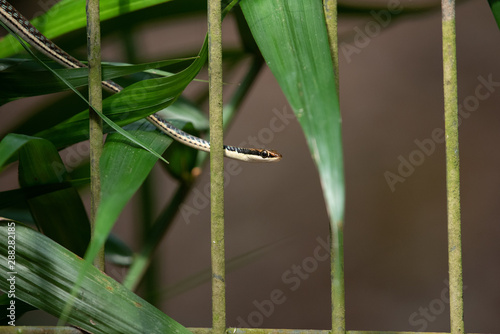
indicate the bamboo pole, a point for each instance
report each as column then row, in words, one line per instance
column 452, row 167
column 95, row 122
column 336, row 227
column 216, row 166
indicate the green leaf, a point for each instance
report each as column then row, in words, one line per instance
column 10, row 145
column 59, row 214
column 293, row 40
column 22, row 78
column 45, row 272
column 124, row 167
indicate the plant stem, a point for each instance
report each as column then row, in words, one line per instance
column 336, row 226
column 95, row 130
column 216, row 166
column 452, row 166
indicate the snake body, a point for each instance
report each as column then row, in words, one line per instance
column 22, row 27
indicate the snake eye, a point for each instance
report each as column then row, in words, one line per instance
column 264, row 154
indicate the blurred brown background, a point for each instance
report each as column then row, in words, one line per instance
column 395, row 240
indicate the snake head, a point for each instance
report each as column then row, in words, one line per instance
column 270, row 155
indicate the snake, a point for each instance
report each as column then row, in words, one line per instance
column 14, row 20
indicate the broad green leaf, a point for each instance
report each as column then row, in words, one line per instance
column 59, row 214
column 293, row 40
column 45, row 272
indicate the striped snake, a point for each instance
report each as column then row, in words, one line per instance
column 21, row 26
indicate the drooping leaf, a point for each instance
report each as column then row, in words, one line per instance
column 45, row 273
column 293, row 40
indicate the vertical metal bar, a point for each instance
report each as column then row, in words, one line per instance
column 452, row 166
column 336, row 227
column 95, row 122
column 216, row 167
